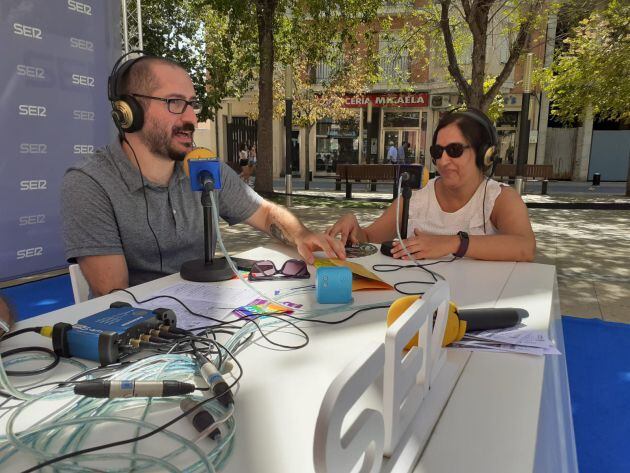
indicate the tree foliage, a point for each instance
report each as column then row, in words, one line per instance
column 285, row 31
column 217, row 49
column 459, row 32
column 593, row 68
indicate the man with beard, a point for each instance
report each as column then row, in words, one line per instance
column 128, row 213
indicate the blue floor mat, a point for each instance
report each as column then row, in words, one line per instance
column 38, row 297
column 598, row 362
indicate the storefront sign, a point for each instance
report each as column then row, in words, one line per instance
column 404, row 99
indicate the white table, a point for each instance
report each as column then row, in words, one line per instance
column 506, row 413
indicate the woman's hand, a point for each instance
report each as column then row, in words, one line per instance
column 426, row 246
column 349, row 229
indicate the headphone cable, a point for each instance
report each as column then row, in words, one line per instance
column 144, row 193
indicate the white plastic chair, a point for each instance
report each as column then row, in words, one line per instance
column 80, row 286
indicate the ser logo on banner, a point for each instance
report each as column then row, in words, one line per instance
column 79, row 7
column 85, row 81
column 31, row 71
column 30, row 252
column 33, row 185
column 31, row 219
column 32, row 110
column 83, row 149
column 83, row 115
column 33, row 148
column 27, row 31
column 81, row 44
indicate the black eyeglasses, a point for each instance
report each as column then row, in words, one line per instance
column 177, row 106
column 291, row 269
column 454, row 150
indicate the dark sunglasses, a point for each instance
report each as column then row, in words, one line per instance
column 454, row 150
column 291, row 269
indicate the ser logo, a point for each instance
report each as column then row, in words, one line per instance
column 31, row 219
column 81, row 44
column 33, row 148
column 83, row 115
column 31, row 71
column 30, row 252
column 33, row 185
column 85, row 81
column 83, row 149
column 27, row 31
column 79, row 7
column 32, row 110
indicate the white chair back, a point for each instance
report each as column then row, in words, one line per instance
column 80, row 286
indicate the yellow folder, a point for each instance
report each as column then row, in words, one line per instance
column 362, row 279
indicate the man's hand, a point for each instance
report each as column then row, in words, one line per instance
column 425, row 246
column 349, row 230
column 308, row 241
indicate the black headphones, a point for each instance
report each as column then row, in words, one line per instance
column 127, row 112
column 487, row 155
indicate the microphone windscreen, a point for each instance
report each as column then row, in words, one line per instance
column 489, row 319
column 197, row 153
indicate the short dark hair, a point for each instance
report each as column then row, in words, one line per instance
column 474, row 132
column 140, row 78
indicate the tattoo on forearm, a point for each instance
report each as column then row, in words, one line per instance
column 277, row 233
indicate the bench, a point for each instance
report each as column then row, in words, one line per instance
column 374, row 173
column 542, row 172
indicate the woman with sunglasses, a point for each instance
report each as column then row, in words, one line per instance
column 460, row 212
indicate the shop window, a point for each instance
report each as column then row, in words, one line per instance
column 336, row 142
column 401, row 119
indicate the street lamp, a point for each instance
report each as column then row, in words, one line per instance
column 523, row 135
column 288, row 124
column 309, row 97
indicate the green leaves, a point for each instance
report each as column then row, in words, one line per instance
column 594, row 68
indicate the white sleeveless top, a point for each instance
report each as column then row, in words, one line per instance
column 426, row 214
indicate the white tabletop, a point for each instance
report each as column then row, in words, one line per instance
column 499, row 410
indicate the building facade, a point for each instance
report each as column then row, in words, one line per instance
column 404, row 107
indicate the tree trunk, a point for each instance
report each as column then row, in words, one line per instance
column 265, row 12
column 476, row 15
column 477, row 20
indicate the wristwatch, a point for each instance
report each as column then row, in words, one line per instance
column 463, row 245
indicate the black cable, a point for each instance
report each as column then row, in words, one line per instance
column 405, row 293
column 141, row 437
column 8, row 335
column 146, row 201
column 15, row 351
column 221, row 323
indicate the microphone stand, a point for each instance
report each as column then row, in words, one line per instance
column 209, row 269
column 387, row 246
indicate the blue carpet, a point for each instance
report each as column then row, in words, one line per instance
column 598, row 362
column 38, row 297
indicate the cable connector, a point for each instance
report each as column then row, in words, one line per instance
column 172, row 329
column 165, row 335
column 46, row 331
column 151, row 338
column 116, row 389
column 214, row 379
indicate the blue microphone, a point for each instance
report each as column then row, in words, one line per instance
column 203, row 171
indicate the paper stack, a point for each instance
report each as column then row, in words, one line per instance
column 511, row 340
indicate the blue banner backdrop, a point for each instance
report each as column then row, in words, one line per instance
column 56, row 57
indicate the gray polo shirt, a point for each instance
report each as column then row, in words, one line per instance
column 104, row 212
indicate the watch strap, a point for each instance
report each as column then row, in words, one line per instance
column 463, row 245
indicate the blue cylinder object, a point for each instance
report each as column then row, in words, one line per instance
column 333, row 285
